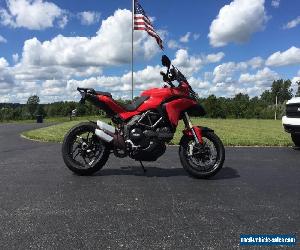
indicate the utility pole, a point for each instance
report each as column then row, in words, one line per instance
column 276, row 102
column 132, row 28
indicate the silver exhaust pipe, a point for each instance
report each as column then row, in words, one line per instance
column 106, row 127
column 102, row 135
column 105, row 131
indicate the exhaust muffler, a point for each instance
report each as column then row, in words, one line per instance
column 105, row 131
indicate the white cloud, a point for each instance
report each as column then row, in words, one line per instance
column 288, row 57
column 31, row 14
column 110, row 47
column 232, row 78
column 6, row 78
column 214, row 58
column 185, row 38
column 237, row 21
column 172, row 44
column 89, row 17
column 196, row 36
column 53, row 88
column 121, row 85
column 187, row 64
column 2, row 39
column 292, row 24
column 198, row 83
column 256, row 62
column 63, row 21
column 190, row 64
column 225, row 72
column 55, row 63
column 263, row 77
column 275, row 3
column 15, row 58
column 3, row 63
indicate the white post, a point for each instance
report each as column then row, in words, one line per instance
column 132, row 49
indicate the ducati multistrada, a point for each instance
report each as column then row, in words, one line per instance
column 143, row 128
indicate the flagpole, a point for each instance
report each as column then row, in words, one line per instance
column 132, row 49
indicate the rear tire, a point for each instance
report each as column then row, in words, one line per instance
column 195, row 162
column 296, row 139
column 86, row 147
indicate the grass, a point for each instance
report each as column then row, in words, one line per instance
column 232, row 132
column 53, row 119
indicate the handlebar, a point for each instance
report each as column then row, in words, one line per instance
column 167, row 79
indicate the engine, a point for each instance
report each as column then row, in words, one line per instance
column 145, row 136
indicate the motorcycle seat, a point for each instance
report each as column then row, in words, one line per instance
column 103, row 93
column 134, row 105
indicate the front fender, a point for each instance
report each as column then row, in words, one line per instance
column 201, row 131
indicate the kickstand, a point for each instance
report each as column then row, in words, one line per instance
column 143, row 167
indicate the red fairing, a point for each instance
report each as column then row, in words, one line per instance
column 111, row 103
column 116, row 107
column 174, row 108
column 127, row 115
column 156, row 97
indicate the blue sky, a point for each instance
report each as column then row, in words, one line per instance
column 224, row 47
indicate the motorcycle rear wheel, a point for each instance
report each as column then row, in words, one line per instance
column 83, row 152
column 202, row 161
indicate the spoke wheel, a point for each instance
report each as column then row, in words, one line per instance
column 204, row 160
column 83, row 152
column 203, row 157
column 86, row 149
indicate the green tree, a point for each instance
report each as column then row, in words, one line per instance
column 282, row 89
column 40, row 110
column 32, row 104
column 213, row 107
column 267, row 97
column 240, row 105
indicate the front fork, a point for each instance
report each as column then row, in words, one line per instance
column 196, row 131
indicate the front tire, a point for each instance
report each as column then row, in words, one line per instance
column 83, row 152
column 296, row 139
column 202, row 161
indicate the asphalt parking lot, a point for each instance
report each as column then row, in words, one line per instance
column 44, row 205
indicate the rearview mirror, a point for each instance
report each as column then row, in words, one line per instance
column 165, row 61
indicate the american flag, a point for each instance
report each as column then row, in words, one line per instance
column 142, row 22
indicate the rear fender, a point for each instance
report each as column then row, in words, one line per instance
column 105, row 103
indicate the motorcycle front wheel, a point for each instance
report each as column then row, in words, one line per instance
column 83, row 152
column 203, row 160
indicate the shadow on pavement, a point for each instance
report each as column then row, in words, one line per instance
column 296, row 148
column 225, row 173
column 138, row 171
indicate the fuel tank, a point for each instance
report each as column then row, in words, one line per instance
column 158, row 95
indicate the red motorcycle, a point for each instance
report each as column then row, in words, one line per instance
column 143, row 128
